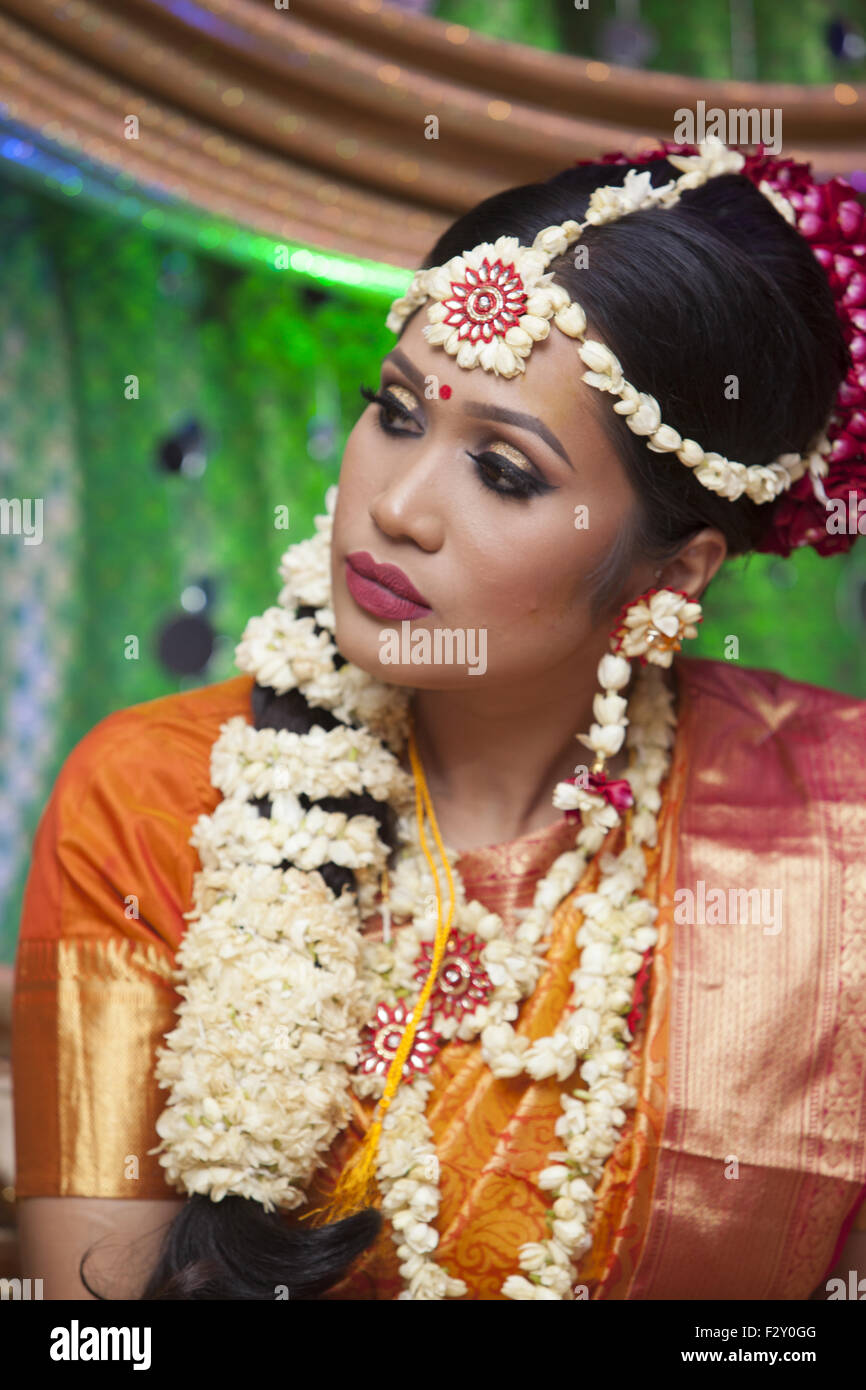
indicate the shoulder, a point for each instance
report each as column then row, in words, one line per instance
column 766, row 699
column 156, row 736
column 789, row 736
column 118, row 821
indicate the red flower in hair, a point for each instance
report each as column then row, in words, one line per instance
column 833, row 221
column 800, row 519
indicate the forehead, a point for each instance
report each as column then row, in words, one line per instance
column 550, row 387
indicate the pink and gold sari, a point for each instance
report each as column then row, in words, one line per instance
column 743, row 1165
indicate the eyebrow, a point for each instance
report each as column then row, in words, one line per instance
column 486, row 411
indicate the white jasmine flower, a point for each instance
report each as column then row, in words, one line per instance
column 557, row 1280
column 553, row 1176
column 533, row 1256
column 519, row 1288
column 553, row 1056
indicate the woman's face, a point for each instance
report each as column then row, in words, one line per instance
column 497, row 523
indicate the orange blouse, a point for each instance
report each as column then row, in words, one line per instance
column 751, row 1049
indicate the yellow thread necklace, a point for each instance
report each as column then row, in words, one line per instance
column 357, row 1187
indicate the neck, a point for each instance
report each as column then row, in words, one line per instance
column 492, row 758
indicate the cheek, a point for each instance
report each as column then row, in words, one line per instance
column 353, row 481
column 536, row 574
column 353, row 454
column 369, row 464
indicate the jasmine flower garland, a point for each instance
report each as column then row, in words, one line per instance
column 281, row 992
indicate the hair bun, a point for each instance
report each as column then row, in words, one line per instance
column 832, row 219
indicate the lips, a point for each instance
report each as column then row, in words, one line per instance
column 383, row 590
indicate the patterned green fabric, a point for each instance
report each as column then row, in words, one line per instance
column 789, row 36
column 43, row 597
column 86, row 303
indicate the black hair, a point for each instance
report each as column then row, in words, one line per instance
column 719, row 285
column 234, row 1250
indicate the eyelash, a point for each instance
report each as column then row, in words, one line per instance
column 523, row 488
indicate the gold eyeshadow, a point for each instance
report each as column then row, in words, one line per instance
column 402, row 394
column 513, row 455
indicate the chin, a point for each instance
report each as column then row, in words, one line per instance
column 358, row 642
column 357, row 637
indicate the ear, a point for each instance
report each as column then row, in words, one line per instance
column 693, row 568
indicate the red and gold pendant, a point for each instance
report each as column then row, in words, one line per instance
column 487, row 303
column 462, row 983
column 381, row 1039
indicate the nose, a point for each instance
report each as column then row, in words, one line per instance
column 410, row 503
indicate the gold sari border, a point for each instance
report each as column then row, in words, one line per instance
column 88, row 1017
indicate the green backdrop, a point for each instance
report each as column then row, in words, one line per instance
column 692, row 39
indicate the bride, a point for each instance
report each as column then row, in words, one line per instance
column 403, row 1007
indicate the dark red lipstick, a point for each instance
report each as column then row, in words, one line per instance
column 383, row 590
